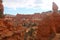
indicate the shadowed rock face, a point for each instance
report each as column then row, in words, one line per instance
column 1, row 1
column 1, row 9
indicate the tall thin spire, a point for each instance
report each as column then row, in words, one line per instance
column 54, row 7
column 1, row 9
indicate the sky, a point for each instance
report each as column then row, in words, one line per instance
column 28, row 6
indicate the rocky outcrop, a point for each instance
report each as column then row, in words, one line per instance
column 19, row 27
column 1, row 9
column 54, row 7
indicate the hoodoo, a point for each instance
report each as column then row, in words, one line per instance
column 54, row 7
column 1, row 9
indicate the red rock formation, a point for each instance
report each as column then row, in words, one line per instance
column 1, row 9
column 54, row 7
column 12, row 28
column 47, row 25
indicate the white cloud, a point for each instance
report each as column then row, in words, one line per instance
column 45, row 5
column 18, row 3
